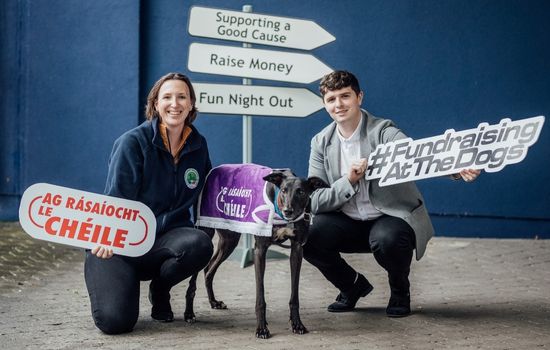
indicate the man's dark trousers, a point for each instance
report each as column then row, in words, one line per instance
column 391, row 240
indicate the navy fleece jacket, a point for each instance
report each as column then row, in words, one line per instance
column 142, row 169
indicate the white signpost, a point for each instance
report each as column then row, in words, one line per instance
column 256, row 63
column 256, row 100
column 257, row 28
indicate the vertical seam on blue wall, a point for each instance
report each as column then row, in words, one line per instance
column 21, row 115
column 25, row 86
column 142, row 60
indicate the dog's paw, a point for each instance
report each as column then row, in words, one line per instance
column 189, row 317
column 299, row 328
column 262, row 333
column 220, row 305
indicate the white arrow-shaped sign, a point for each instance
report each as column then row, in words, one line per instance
column 257, row 28
column 256, row 100
column 255, row 63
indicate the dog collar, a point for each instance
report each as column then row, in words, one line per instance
column 276, row 203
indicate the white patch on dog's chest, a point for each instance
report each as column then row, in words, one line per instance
column 282, row 233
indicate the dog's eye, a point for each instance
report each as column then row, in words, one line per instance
column 284, row 190
column 300, row 192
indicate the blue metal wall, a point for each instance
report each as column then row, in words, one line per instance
column 75, row 75
column 72, row 76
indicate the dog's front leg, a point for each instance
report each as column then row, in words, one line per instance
column 189, row 314
column 296, row 255
column 260, row 250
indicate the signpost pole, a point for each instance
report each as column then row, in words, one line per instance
column 247, row 252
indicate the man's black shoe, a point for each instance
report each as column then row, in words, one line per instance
column 161, row 310
column 399, row 306
column 346, row 301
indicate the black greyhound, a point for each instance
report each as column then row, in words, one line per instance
column 291, row 195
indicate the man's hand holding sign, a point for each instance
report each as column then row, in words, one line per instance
column 357, row 171
column 467, row 175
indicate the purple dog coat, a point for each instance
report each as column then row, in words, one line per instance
column 234, row 198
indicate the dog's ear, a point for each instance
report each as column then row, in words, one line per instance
column 315, row 182
column 276, row 178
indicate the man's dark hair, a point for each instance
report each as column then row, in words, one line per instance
column 338, row 80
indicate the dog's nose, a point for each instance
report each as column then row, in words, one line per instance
column 287, row 212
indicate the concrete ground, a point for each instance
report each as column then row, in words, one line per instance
column 466, row 294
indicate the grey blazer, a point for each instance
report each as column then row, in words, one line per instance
column 401, row 200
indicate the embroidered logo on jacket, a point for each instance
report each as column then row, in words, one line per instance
column 191, row 178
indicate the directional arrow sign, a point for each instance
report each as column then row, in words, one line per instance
column 255, row 63
column 256, row 100
column 257, row 28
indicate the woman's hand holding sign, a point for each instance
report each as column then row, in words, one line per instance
column 102, row 252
